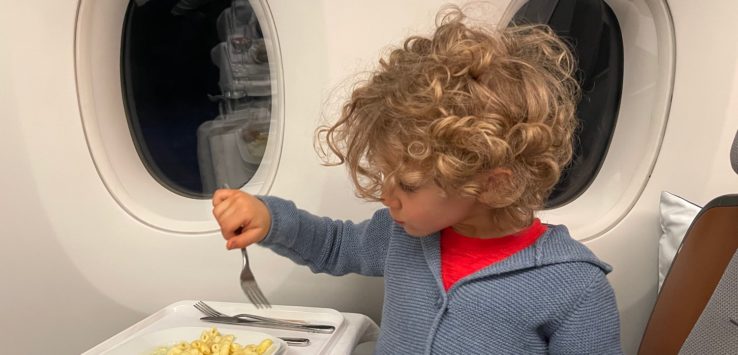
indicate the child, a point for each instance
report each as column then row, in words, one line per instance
column 461, row 136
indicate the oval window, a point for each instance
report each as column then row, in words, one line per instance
column 178, row 98
column 626, row 70
column 197, row 92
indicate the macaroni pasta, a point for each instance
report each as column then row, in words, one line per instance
column 212, row 342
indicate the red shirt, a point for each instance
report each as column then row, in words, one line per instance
column 462, row 256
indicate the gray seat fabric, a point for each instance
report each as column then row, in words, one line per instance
column 716, row 331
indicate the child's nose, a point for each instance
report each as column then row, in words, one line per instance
column 390, row 201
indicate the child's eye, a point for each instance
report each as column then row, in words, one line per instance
column 406, row 187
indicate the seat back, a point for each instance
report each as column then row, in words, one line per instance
column 702, row 261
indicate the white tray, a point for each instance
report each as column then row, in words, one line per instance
column 183, row 314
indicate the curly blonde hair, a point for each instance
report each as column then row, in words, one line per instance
column 450, row 108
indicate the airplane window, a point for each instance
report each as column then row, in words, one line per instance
column 197, row 91
column 592, row 29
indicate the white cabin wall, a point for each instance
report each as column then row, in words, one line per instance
column 48, row 306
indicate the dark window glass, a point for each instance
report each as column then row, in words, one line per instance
column 196, row 87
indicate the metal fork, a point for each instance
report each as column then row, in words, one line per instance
column 249, row 285
column 210, row 311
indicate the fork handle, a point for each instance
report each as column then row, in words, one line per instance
column 245, row 257
column 296, row 341
column 269, row 319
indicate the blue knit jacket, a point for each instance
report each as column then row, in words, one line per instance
column 552, row 297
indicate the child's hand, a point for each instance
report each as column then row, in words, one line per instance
column 243, row 218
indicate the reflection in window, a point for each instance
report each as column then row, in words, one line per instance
column 197, row 90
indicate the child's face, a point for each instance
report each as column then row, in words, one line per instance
column 424, row 210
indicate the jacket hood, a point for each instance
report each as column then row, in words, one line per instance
column 557, row 246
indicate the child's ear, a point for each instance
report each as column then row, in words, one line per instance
column 501, row 188
column 497, row 176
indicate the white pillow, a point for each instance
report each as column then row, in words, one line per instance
column 675, row 215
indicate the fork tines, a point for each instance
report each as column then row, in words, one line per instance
column 204, row 308
column 253, row 292
column 249, row 285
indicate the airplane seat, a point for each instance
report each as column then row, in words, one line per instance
column 696, row 311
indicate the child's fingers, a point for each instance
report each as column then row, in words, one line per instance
column 231, row 212
column 221, row 195
column 231, row 229
column 228, row 217
column 243, row 219
column 232, row 208
column 232, row 221
column 223, row 207
column 246, row 238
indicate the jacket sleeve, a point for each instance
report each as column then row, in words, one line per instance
column 593, row 326
column 325, row 245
